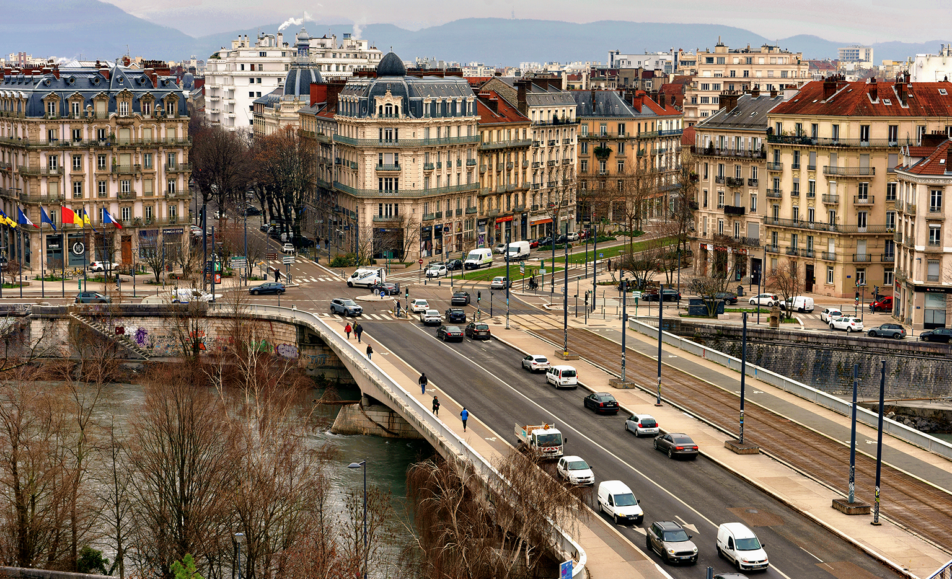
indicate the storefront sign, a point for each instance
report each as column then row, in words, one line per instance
column 173, row 231
column 504, row 219
column 79, row 248
column 932, row 290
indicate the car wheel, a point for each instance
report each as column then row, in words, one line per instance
column 615, row 518
column 872, row 334
column 849, row 330
column 897, row 336
column 254, row 293
column 737, row 564
column 655, row 443
column 648, row 545
column 670, row 453
column 350, row 284
column 831, row 327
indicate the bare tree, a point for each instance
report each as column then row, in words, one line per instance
column 787, row 281
column 710, row 282
column 685, row 199
column 114, row 496
column 283, row 168
column 220, row 158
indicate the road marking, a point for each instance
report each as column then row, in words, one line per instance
column 491, row 438
column 686, row 524
column 638, row 530
column 811, row 554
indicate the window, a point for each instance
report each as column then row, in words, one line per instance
column 170, row 187
column 51, row 108
column 935, row 201
column 811, row 188
column 893, row 133
column 171, row 160
column 621, row 165
column 126, row 213
column 935, row 236
column 861, row 220
column 101, row 135
column 54, row 162
column 621, row 148
column 863, row 192
column 77, row 135
column 123, row 108
column 933, row 270
column 101, row 189
column 811, row 215
column 125, row 186
column 148, row 213
column 147, row 160
column 891, row 220
column 583, row 166
column 583, row 148
column 836, row 132
column 861, row 276
column 891, row 191
column 77, row 189
column 76, row 108
column 814, row 130
column 864, row 133
column 77, row 162
column 829, row 275
column 720, row 227
column 251, row 94
column 720, row 199
column 705, row 198
column 753, row 203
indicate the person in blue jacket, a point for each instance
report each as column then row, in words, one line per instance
column 465, row 416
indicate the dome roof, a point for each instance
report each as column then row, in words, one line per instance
column 188, row 81
column 391, row 65
column 303, row 36
column 299, row 81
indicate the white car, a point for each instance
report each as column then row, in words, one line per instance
column 287, row 248
column 642, row 424
column 431, row 317
column 185, row 295
column 436, row 271
column 828, row 314
column 847, row 323
column 575, row 470
column 764, row 300
column 500, row 248
column 499, row 283
column 102, row 266
column 572, row 236
column 562, row 377
column 419, row 306
column 535, row 363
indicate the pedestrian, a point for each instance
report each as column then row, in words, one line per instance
column 609, row 265
column 436, row 406
column 423, row 382
column 358, row 330
column 376, row 292
column 465, row 416
column 277, row 275
column 369, row 351
column 347, row 330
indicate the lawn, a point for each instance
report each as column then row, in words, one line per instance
column 610, row 252
column 489, row 274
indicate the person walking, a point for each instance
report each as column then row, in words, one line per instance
column 277, row 275
column 436, row 406
column 369, row 351
column 358, row 330
column 347, row 330
column 464, row 415
column 423, row 382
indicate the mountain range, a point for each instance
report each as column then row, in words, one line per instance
column 91, row 29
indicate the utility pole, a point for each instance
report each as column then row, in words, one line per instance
column 565, row 293
column 508, row 279
column 660, row 335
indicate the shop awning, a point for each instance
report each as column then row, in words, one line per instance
column 541, row 221
column 504, row 219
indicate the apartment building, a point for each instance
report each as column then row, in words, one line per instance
column 730, row 160
column 933, row 67
column 406, row 151
column 235, row 77
column 832, row 156
column 768, row 68
column 923, row 275
column 95, row 138
column 279, row 109
column 856, row 53
column 504, row 182
column 667, row 62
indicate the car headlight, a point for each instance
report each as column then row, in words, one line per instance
column 671, row 551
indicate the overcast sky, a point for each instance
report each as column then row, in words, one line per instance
column 865, row 21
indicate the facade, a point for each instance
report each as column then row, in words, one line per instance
column 933, row 67
column 832, row 186
column 768, row 68
column 279, row 109
column 664, row 61
column 857, row 53
column 101, row 138
column 730, row 157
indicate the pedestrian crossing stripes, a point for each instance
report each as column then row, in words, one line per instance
column 382, row 317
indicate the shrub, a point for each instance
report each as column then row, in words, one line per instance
column 347, row 260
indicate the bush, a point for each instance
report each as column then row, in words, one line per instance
column 91, row 561
column 604, row 238
column 347, row 260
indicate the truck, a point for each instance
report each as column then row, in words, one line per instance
column 367, row 277
column 542, row 438
column 518, row 250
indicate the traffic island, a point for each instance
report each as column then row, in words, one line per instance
column 741, row 448
column 566, row 355
column 848, row 508
column 621, row 384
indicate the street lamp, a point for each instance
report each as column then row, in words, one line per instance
column 238, row 537
column 363, row 464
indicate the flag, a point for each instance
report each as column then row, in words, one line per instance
column 44, row 218
column 84, row 215
column 24, row 220
column 70, row 217
column 106, row 219
column 7, row 221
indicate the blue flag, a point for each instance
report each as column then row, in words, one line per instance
column 44, row 218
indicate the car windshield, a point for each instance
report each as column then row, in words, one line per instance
column 682, row 440
column 648, row 423
column 349, row 303
column 454, row 329
column 625, row 500
column 751, row 544
column 549, row 439
column 459, row 295
column 432, row 313
column 675, row 536
column 604, row 397
column 568, row 373
column 541, row 359
column 578, row 465
column 482, row 326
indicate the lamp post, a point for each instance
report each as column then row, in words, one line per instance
column 238, row 537
column 508, row 279
column 565, row 293
column 247, row 267
column 660, row 334
column 363, row 464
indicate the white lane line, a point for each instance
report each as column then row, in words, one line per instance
column 811, row 554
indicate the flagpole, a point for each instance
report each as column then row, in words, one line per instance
column 85, row 252
column 42, row 265
column 20, row 255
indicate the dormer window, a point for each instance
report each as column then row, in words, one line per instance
column 123, row 108
column 76, row 108
column 51, row 108
column 170, row 109
column 146, row 109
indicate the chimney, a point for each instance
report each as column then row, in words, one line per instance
column 933, row 139
column 521, row 89
column 755, row 92
column 773, row 93
column 318, row 93
column 333, row 89
column 493, row 104
column 873, row 89
column 901, row 91
column 829, row 87
column 728, row 100
column 948, row 159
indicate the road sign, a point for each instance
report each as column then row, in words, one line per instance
column 421, row 262
column 239, row 263
column 636, row 295
column 600, row 254
column 272, row 255
column 288, row 259
column 565, row 570
column 542, row 271
column 522, row 269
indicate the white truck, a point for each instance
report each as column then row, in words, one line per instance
column 518, row 250
column 367, row 277
column 543, row 438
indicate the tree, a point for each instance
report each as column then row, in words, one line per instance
column 114, row 493
column 715, row 280
column 786, row 280
column 284, row 170
column 185, row 569
column 153, row 253
column 220, row 158
column 685, row 199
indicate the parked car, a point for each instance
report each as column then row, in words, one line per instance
column 601, row 403
column 346, row 307
column 437, row 270
column 561, row 240
column 936, row 335
column 617, row 500
column 573, row 236
column 450, row 334
column 431, row 317
column 197, row 231
column 797, row 304
column 562, row 377
column 534, row 244
column 454, row 265
column 848, row 323
column 575, row 470
column 883, row 304
column 828, row 314
column 457, row 315
column 387, row 288
column 92, row 298
column 478, row 331
column 264, row 227
column 103, row 266
column 500, row 248
column 460, row 299
column 272, row 287
column 739, row 545
column 728, row 297
column 764, row 300
column 670, row 295
column 251, row 211
column 642, row 424
column 303, row 242
column 535, row 363
column 669, row 540
column 499, row 283
column 888, row 331
column 543, row 241
column 419, row 306
column 287, row 248
column 676, row 444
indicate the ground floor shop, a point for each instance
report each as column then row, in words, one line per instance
column 923, row 307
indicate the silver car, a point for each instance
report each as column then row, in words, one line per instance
column 642, row 424
column 669, row 540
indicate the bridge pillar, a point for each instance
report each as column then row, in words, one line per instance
column 374, row 419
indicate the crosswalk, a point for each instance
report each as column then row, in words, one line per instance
column 382, row 317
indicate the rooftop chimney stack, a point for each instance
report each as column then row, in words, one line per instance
column 829, row 87
column 873, row 89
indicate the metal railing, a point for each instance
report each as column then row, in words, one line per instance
column 384, row 143
column 862, row 258
column 774, row 166
column 432, row 191
column 849, row 171
column 383, row 167
column 835, row 199
column 828, row 255
column 774, row 193
column 727, row 153
column 869, row 200
column 830, row 142
column 772, row 248
column 831, row 227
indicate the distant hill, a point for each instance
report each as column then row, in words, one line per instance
column 97, row 30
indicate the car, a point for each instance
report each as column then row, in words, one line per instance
column 562, row 376
column 478, row 331
column 670, row 295
column 739, row 545
column 602, row 403
column 188, row 295
column 798, row 303
column 500, row 282
column 346, row 307
column 669, row 540
column 431, row 317
column 848, row 323
column 450, row 334
column 764, row 300
column 828, row 314
column 534, row 244
column 676, row 444
column 729, row 576
column 883, row 304
column 264, row 227
column 642, row 424
column 573, row 236
column 287, row 248
column 436, row 270
column 304, row 242
column 103, row 266
column 460, row 299
column 220, row 214
column 500, row 248
column 728, row 297
column 535, row 363
column 251, row 211
column 386, row 288
column 936, row 335
column 544, row 241
column 196, row 231
column 561, row 240
column 456, row 315
column 272, row 287
column 92, row 298
column 454, row 265
column 888, row 331
column 575, row 470
column 617, row 500
column 418, row 306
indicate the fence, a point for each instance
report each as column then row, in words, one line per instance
column 944, row 573
column 823, row 399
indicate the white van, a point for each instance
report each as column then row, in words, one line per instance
column 798, row 304
column 562, row 377
column 518, row 250
column 366, row 277
column 478, row 258
column 740, row 545
column 617, row 500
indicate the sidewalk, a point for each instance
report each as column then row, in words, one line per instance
column 890, row 543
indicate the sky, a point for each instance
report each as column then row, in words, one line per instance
column 864, row 21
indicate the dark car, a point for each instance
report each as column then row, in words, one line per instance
column 888, row 331
column 252, row 210
column 602, row 403
column 92, row 298
column 676, row 444
column 728, row 297
column 669, row 540
column 265, row 227
column 669, row 296
column 454, row 265
column 545, row 241
column 936, row 335
column 561, row 239
column 303, row 242
column 478, row 331
column 272, row 287
column 450, row 334
column 387, row 288
column 456, row 315
column 460, row 299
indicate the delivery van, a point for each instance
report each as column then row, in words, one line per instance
column 478, row 258
column 367, row 277
column 518, row 250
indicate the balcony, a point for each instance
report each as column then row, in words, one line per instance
column 127, row 169
column 775, row 166
column 406, row 193
column 397, row 143
column 830, row 142
column 933, row 245
column 752, row 182
column 795, row 166
column 720, row 179
column 509, row 166
column 849, row 172
column 811, row 167
column 551, row 163
column 735, row 182
column 566, row 141
column 536, row 143
column 862, row 258
column 566, row 161
column 728, row 153
column 887, row 257
column 908, row 241
column 772, row 248
column 429, row 167
column 385, row 168
column 869, row 200
column 749, row 241
column 910, row 208
column 470, row 210
column 774, row 193
column 429, row 216
column 536, row 164
column 734, row 210
column 525, row 164
column 897, row 238
column 808, row 253
column 386, row 218
column 795, row 193
column 792, row 251
column 536, row 186
column 831, row 227
column 831, row 199
column 552, row 142
column 470, row 162
column 827, row 256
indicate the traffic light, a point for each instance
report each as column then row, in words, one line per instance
column 586, row 298
column 479, row 295
column 408, row 293
column 857, row 297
